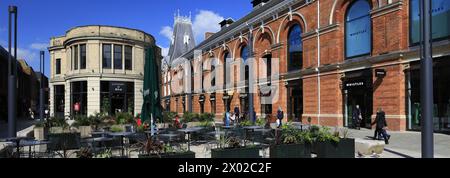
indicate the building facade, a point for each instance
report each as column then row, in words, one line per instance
column 98, row 69
column 333, row 55
column 28, row 84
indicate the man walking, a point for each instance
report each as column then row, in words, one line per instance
column 381, row 126
column 356, row 117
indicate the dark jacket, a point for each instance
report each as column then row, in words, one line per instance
column 356, row 113
column 236, row 111
column 380, row 120
column 280, row 115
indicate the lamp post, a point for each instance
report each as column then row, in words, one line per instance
column 426, row 80
column 41, row 92
column 12, row 73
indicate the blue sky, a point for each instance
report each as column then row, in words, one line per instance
column 41, row 19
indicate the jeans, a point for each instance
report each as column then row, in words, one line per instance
column 381, row 132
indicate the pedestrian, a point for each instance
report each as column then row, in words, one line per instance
column 30, row 111
column 237, row 112
column 280, row 116
column 381, row 126
column 356, row 117
column 227, row 119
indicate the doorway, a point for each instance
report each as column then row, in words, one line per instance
column 117, row 103
column 358, row 91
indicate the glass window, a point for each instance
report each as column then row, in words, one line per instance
column 59, row 98
column 128, row 58
column 75, row 57
column 213, row 77
column 244, row 53
column 106, row 56
column 117, row 56
column 225, row 59
column 440, row 20
column 79, row 97
column 83, row 56
column 295, row 47
column 58, row 66
column 358, row 29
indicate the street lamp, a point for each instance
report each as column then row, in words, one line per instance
column 426, row 80
column 41, row 91
column 12, row 73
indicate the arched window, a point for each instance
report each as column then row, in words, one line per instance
column 244, row 56
column 226, row 55
column 213, row 76
column 244, row 53
column 358, row 29
column 295, row 46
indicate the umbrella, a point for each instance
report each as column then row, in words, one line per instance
column 151, row 108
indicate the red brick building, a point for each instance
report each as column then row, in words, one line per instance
column 333, row 55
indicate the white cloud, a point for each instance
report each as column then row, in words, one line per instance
column 205, row 21
column 39, row 46
column 27, row 55
column 167, row 32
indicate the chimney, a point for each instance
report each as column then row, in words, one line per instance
column 258, row 3
column 208, row 34
column 226, row 22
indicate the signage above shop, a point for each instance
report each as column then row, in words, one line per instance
column 355, row 84
column 380, row 73
column 117, row 87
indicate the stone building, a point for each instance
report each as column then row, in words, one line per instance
column 331, row 56
column 98, row 69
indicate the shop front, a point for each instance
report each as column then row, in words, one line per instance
column 358, row 95
column 441, row 91
column 117, row 97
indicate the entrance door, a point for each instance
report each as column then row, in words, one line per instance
column 363, row 99
column 295, row 98
column 117, row 103
column 358, row 91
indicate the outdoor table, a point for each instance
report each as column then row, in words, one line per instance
column 189, row 131
column 102, row 133
column 16, row 142
column 32, row 143
column 122, row 135
column 169, row 136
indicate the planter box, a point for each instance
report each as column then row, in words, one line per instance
column 188, row 154
column 56, row 130
column 252, row 152
column 40, row 133
column 85, row 131
column 290, row 151
column 344, row 149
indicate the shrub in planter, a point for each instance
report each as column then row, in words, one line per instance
column 124, row 118
column 40, row 130
column 231, row 148
column 57, row 125
column 155, row 149
column 83, row 124
column 295, row 144
column 329, row 145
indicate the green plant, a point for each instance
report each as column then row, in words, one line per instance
column 206, row 117
column 261, row 122
column 246, row 123
column 206, row 124
column 168, row 116
column 292, row 135
column 57, row 122
column 325, row 135
column 309, row 120
column 40, row 124
column 124, row 118
column 116, row 128
column 104, row 154
column 81, row 121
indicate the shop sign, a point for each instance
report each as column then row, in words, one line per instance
column 117, row 87
column 355, row 84
column 380, row 73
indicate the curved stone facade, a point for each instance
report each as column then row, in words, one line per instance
column 90, row 61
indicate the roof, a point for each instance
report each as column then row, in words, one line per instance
column 183, row 38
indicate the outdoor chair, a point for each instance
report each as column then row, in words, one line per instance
column 63, row 142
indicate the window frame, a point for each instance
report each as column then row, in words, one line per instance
column 289, row 53
column 107, row 57
column 58, row 66
column 130, row 59
column 345, row 31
